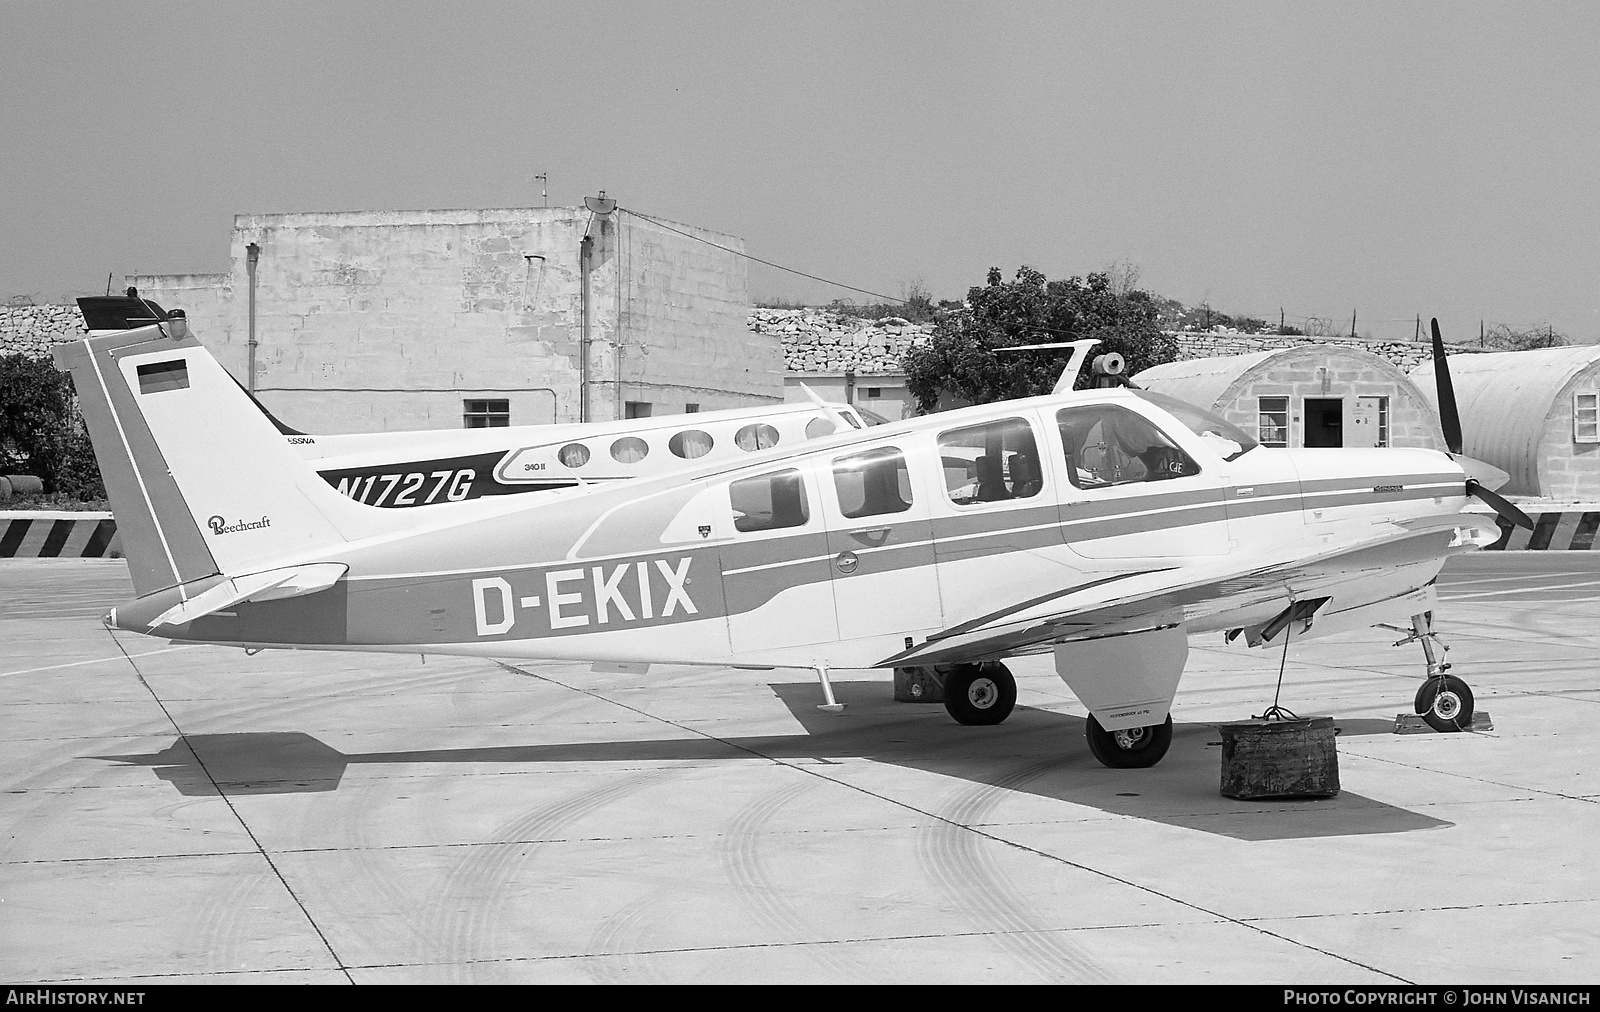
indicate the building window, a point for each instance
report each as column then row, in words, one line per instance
column 873, row 392
column 485, row 414
column 1272, row 424
column 636, row 409
column 1383, row 421
column 691, row 408
column 1586, row 418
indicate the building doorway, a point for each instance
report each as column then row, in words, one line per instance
column 1324, row 421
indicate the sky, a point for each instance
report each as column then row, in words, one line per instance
column 1383, row 159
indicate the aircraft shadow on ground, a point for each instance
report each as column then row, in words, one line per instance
column 1035, row 752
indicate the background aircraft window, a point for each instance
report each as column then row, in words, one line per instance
column 690, row 443
column 769, row 502
column 629, row 450
column 1108, row 445
column 873, row 483
column 991, row 462
column 573, row 455
column 819, row 427
column 758, row 436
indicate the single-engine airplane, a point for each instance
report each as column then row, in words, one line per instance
column 1104, row 526
column 398, row 470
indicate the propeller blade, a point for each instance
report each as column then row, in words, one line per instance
column 1500, row 504
column 1449, row 417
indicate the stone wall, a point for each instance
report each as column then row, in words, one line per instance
column 1405, row 354
column 34, row 330
column 819, row 341
column 816, row 340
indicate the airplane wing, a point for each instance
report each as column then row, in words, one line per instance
column 1162, row 597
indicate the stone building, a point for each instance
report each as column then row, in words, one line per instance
column 1533, row 414
column 1319, row 395
column 387, row 320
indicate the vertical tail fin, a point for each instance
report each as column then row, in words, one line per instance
column 200, row 481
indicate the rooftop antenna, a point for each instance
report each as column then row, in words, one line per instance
column 544, row 181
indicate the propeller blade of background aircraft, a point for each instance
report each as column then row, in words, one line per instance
column 1500, row 504
column 1449, row 417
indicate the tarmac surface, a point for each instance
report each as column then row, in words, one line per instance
column 190, row 813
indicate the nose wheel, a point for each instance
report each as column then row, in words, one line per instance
column 1444, row 702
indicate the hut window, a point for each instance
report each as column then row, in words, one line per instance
column 1272, row 424
column 1586, row 418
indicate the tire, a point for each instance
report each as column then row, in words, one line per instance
column 979, row 693
column 1135, row 748
column 1445, row 703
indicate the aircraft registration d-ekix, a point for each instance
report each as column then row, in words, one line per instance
column 1105, row 526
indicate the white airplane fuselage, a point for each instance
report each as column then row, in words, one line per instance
column 786, row 560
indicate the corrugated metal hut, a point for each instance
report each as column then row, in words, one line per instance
column 1317, row 395
column 1533, row 414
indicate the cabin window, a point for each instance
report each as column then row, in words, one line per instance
column 1586, row 418
column 573, row 455
column 1109, row 445
column 485, row 414
column 819, row 427
column 690, row 443
column 872, row 484
column 991, row 462
column 1272, row 423
column 758, row 436
column 629, row 450
column 769, row 502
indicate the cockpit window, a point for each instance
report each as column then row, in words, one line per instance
column 1228, row 440
column 1107, row 444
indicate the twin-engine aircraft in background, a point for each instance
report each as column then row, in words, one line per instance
column 1103, row 526
column 397, row 470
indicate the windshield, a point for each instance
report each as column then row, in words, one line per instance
column 1224, row 438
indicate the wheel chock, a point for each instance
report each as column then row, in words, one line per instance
column 1412, row 723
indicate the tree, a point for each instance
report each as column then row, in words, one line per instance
column 40, row 433
column 959, row 357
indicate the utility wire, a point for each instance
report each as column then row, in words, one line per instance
column 769, row 263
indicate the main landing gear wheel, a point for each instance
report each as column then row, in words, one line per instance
column 979, row 693
column 1445, row 702
column 1134, row 748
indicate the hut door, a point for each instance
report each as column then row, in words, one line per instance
column 1366, row 422
column 1324, row 421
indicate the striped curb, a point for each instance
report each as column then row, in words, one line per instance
column 51, row 534
column 1563, row 530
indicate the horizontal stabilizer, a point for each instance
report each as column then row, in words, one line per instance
column 296, row 581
